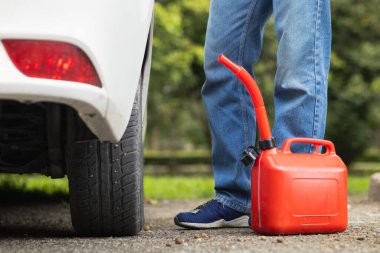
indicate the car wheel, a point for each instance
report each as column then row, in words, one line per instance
column 106, row 179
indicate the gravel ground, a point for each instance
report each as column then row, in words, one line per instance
column 35, row 225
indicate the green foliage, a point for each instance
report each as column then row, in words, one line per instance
column 364, row 168
column 176, row 115
column 354, row 91
column 175, row 112
column 372, row 155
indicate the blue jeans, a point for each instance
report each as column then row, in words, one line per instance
column 235, row 28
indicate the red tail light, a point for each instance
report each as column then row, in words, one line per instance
column 51, row 60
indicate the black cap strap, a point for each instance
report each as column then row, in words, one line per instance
column 268, row 143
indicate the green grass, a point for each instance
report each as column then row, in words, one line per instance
column 154, row 188
column 163, row 187
column 358, row 185
column 178, row 187
column 37, row 184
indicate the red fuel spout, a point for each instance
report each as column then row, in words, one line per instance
column 254, row 92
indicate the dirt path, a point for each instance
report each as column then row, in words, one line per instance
column 28, row 225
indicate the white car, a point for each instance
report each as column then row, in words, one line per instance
column 73, row 90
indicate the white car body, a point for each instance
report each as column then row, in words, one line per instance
column 112, row 33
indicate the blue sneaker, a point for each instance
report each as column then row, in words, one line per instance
column 211, row 214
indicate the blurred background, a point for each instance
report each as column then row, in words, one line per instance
column 177, row 144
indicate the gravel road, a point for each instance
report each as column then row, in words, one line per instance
column 35, row 225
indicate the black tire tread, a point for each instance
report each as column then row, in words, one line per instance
column 105, row 181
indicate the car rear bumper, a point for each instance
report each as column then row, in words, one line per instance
column 113, row 36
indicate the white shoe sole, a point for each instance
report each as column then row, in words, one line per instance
column 241, row 222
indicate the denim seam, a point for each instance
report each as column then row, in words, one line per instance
column 232, row 204
column 316, row 72
column 243, row 103
column 243, row 40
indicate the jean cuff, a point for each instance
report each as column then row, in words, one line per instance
column 232, row 204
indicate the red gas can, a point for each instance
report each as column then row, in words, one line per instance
column 292, row 193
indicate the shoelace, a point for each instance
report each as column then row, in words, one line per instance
column 199, row 207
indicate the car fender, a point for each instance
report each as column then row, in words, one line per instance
column 114, row 36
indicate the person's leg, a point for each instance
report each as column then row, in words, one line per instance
column 235, row 28
column 303, row 29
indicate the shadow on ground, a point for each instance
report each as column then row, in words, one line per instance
column 25, row 215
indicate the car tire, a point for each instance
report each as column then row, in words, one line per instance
column 106, row 179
